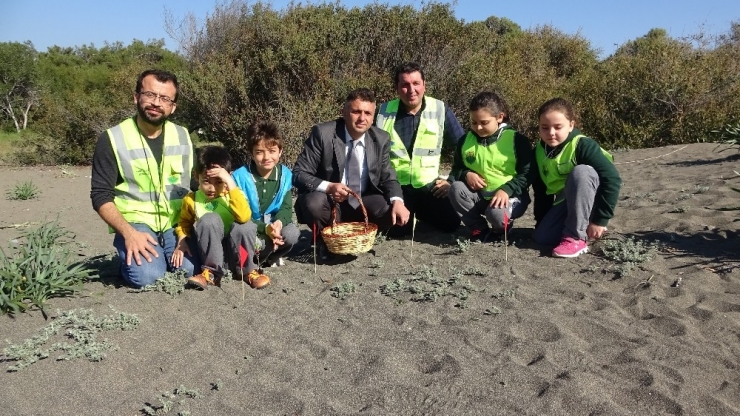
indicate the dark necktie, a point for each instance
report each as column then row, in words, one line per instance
column 353, row 174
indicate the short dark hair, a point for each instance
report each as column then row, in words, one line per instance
column 161, row 76
column 492, row 102
column 212, row 155
column 363, row 94
column 558, row 104
column 263, row 130
column 407, row 68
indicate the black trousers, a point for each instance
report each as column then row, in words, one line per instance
column 437, row 212
column 316, row 207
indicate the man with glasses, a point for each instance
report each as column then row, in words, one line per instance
column 140, row 173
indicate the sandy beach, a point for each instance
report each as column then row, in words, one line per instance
column 437, row 327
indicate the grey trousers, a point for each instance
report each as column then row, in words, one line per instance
column 249, row 239
column 472, row 208
column 570, row 218
column 212, row 243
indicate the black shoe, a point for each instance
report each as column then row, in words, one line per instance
column 479, row 234
column 322, row 252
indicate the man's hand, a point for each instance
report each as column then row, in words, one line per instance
column 399, row 214
column 475, row 181
column 500, row 200
column 179, row 253
column 139, row 244
column 441, row 187
column 595, row 231
column 338, row 191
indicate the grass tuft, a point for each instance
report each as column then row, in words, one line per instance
column 39, row 268
column 23, row 191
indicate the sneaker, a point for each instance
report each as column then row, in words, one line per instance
column 570, row 247
column 257, row 280
column 479, row 234
column 278, row 262
column 201, row 280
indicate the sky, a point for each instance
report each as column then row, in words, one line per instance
column 606, row 24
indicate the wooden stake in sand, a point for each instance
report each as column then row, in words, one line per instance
column 242, row 259
column 314, row 247
column 506, row 226
column 413, row 231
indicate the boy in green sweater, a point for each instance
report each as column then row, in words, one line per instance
column 268, row 186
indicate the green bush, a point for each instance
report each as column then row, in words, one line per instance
column 39, row 268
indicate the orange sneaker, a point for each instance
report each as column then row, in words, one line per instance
column 201, row 280
column 257, row 280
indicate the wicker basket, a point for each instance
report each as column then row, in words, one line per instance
column 349, row 237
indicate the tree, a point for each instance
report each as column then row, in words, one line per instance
column 18, row 74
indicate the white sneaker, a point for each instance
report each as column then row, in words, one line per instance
column 279, row 262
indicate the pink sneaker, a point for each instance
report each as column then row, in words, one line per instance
column 570, row 247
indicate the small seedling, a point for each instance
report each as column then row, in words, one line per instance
column 462, row 245
column 342, row 290
column 677, row 210
column 173, row 283
column 23, row 191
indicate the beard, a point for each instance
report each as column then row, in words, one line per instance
column 156, row 121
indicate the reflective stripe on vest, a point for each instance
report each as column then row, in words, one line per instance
column 496, row 163
column 218, row 205
column 423, row 166
column 554, row 171
column 151, row 194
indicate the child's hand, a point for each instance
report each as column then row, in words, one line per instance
column 595, row 231
column 475, row 181
column 500, row 199
column 216, row 171
column 179, row 253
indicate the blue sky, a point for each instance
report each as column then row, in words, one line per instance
column 606, row 26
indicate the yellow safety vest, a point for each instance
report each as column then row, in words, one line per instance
column 554, row 171
column 496, row 163
column 151, row 194
column 218, row 205
column 423, row 166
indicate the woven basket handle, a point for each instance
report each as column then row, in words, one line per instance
column 334, row 209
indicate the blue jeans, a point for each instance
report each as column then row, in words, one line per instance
column 148, row 273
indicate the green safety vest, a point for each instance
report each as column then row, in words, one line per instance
column 151, row 194
column 423, row 166
column 218, row 205
column 554, row 171
column 496, row 163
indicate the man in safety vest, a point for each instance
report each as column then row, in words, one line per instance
column 418, row 125
column 140, row 173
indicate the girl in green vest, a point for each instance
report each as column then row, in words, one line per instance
column 491, row 170
column 576, row 186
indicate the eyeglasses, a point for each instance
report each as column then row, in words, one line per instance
column 151, row 96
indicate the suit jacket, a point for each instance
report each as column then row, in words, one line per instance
column 324, row 156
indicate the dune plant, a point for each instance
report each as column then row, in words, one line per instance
column 344, row 289
column 81, row 327
column 39, row 268
column 23, row 191
column 627, row 253
column 728, row 135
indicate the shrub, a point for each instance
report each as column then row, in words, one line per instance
column 38, row 269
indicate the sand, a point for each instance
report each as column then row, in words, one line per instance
column 511, row 331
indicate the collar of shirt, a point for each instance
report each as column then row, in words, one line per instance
column 349, row 138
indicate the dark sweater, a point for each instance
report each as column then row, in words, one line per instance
column 588, row 152
column 519, row 184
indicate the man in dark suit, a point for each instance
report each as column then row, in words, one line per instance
column 348, row 153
